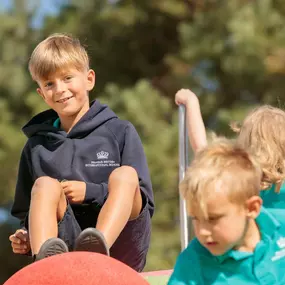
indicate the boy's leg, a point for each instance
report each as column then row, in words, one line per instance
column 48, row 205
column 124, row 203
column 124, row 222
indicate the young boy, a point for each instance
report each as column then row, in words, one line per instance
column 81, row 167
column 237, row 241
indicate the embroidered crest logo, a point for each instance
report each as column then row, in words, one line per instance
column 102, row 155
column 103, row 160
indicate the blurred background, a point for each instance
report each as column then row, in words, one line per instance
column 231, row 53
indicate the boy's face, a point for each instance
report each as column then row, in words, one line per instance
column 66, row 92
column 229, row 225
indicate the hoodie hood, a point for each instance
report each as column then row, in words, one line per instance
column 42, row 124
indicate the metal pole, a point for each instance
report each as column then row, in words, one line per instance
column 183, row 163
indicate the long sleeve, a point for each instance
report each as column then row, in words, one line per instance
column 133, row 155
column 96, row 193
column 24, row 186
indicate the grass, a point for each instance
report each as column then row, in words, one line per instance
column 157, row 280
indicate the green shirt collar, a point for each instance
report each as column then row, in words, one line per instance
column 56, row 123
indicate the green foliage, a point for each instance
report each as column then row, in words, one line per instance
column 231, row 54
column 13, row 81
column 244, row 52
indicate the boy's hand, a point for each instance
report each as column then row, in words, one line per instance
column 74, row 191
column 20, row 242
column 185, row 97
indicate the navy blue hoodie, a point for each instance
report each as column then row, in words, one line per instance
column 96, row 145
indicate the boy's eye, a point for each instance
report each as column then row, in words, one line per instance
column 48, row 84
column 213, row 219
column 68, row 77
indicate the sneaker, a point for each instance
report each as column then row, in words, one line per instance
column 51, row 247
column 92, row 240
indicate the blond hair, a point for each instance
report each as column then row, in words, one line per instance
column 222, row 166
column 55, row 53
column 263, row 134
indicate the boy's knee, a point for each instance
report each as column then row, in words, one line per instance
column 46, row 186
column 126, row 173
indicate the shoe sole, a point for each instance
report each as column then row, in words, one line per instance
column 52, row 247
column 93, row 241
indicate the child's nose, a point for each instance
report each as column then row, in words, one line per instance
column 204, row 231
column 60, row 87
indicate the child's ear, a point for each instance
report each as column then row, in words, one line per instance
column 90, row 79
column 40, row 92
column 253, row 205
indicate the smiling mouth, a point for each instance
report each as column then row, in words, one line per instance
column 64, row 99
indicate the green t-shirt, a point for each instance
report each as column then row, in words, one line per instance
column 266, row 265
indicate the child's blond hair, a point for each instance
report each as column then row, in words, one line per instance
column 55, row 53
column 225, row 167
column 263, row 134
